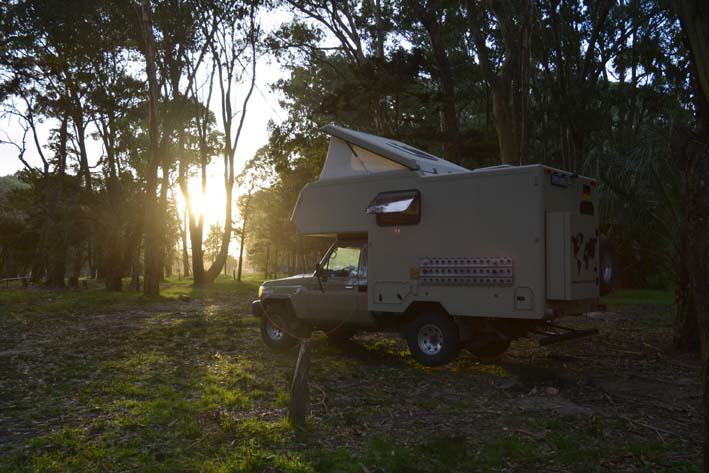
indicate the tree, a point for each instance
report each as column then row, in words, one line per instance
column 232, row 43
column 509, row 84
column 182, row 50
column 692, row 149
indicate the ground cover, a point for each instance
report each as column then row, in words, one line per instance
column 93, row 381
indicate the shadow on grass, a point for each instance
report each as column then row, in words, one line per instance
column 190, row 388
column 167, row 394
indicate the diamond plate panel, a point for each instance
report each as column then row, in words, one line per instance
column 466, row 271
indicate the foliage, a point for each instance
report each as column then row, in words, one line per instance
column 602, row 83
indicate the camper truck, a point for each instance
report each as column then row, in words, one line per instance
column 448, row 257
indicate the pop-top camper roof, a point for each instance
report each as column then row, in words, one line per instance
column 353, row 153
column 355, row 172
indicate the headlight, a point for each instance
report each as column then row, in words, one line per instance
column 261, row 290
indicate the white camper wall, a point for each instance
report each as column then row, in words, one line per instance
column 572, row 270
column 483, row 214
column 336, row 206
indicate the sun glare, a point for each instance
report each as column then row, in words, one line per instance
column 210, row 204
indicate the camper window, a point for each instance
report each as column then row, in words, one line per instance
column 396, row 208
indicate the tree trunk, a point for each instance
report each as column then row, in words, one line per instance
column 241, row 250
column 185, row 255
column 135, row 271
column 56, row 262
column 153, row 218
column 265, row 268
column 242, row 240
column 509, row 84
column 692, row 151
column 506, row 136
column 698, row 248
column 221, row 257
column 444, row 74
column 685, row 336
column 196, row 230
column 274, row 274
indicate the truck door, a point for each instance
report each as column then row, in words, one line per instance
column 339, row 300
column 362, row 315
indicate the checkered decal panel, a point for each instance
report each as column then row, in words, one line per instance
column 466, row 271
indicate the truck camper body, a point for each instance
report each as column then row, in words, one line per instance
column 493, row 252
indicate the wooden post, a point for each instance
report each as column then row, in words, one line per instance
column 299, row 396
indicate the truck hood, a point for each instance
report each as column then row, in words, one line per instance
column 289, row 281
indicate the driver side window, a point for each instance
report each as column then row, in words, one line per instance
column 343, row 262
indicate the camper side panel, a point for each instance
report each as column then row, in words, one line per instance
column 465, row 218
column 338, row 206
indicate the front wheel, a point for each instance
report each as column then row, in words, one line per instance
column 433, row 339
column 274, row 336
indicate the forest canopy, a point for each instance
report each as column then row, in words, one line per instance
column 164, row 87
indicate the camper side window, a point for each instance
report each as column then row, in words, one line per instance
column 396, row 208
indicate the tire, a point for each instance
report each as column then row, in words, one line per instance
column 433, row 339
column 276, row 339
column 608, row 267
column 340, row 334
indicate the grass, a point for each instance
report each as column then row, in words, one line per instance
column 626, row 297
column 99, row 381
column 95, row 298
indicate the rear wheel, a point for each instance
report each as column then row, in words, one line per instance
column 433, row 339
column 272, row 331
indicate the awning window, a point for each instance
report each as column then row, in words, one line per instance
column 396, row 208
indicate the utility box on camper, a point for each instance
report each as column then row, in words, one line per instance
column 447, row 256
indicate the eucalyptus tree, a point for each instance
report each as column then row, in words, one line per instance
column 116, row 99
column 691, row 149
column 46, row 56
column 173, row 48
column 233, row 37
column 502, row 32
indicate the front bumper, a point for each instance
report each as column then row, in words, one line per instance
column 257, row 308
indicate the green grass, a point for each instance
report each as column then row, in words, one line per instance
column 96, row 298
column 115, row 382
column 625, row 297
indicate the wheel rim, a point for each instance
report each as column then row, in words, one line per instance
column 274, row 333
column 430, row 339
